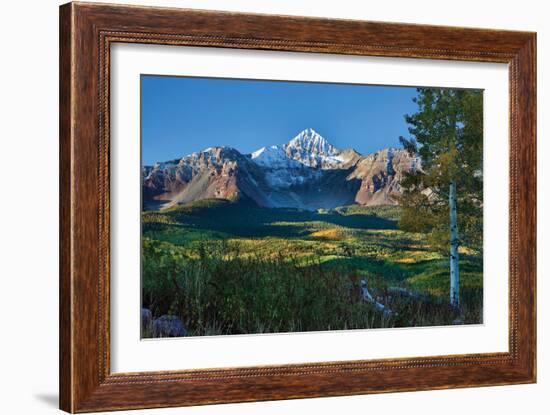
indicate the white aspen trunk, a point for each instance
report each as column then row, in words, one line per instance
column 455, row 276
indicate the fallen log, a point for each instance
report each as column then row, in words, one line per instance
column 368, row 298
column 402, row 292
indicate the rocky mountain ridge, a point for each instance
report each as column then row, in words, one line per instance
column 306, row 173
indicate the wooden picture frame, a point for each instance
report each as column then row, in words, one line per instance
column 86, row 33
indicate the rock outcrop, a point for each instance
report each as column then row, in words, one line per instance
column 168, row 326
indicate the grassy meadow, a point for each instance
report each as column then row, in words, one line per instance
column 232, row 268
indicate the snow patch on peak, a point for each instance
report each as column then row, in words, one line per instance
column 265, row 152
column 273, row 157
column 164, row 165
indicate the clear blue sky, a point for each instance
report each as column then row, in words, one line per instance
column 181, row 115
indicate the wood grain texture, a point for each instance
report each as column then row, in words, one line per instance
column 86, row 33
column 65, row 247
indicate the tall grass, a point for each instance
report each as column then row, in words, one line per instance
column 220, row 291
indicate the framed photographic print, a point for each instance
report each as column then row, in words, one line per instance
column 260, row 207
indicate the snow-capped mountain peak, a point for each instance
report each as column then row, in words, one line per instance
column 311, row 141
column 307, row 149
column 313, row 150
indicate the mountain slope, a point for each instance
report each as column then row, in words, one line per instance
column 381, row 174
